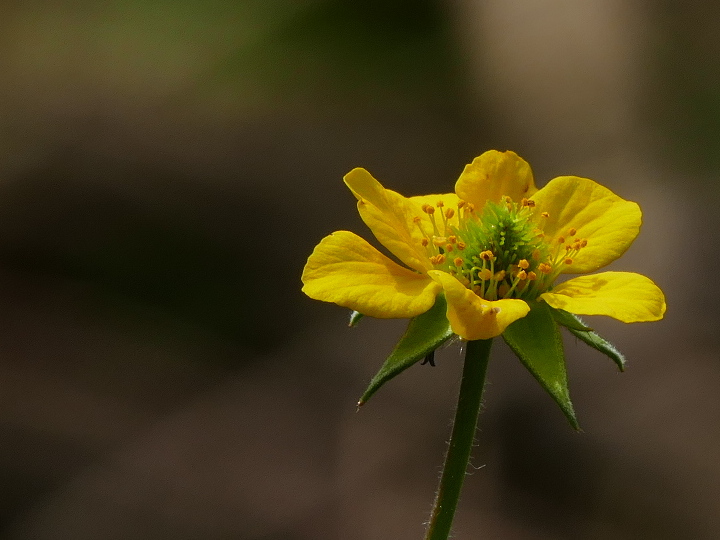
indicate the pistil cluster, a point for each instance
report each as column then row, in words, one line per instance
column 500, row 252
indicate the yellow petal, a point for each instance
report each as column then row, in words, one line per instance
column 449, row 201
column 472, row 317
column 608, row 222
column 493, row 175
column 390, row 217
column 625, row 296
column 348, row 271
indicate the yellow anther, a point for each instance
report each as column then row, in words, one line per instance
column 499, row 276
column 507, row 199
column 487, row 255
column 561, row 240
column 448, row 248
column 545, row 268
column 572, row 232
column 458, row 262
column 437, row 259
column 428, row 209
column 528, row 202
column 522, row 274
column 440, row 204
column 449, row 213
column 568, row 261
column 461, row 203
column 452, row 238
column 416, row 219
column 439, row 240
column 485, row 274
column 544, row 214
column 532, row 275
column 424, row 242
column 583, row 243
column 461, row 245
column 524, row 264
column 470, row 207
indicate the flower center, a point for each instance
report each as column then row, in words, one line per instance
column 500, row 253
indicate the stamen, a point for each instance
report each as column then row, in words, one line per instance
column 458, row 262
column 439, row 240
column 449, row 213
column 437, row 259
column 532, row 276
column 485, row 274
column 568, row 261
column 417, row 221
column 487, row 255
column 428, row 209
column 572, row 232
column 544, row 214
column 524, row 264
column 440, row 204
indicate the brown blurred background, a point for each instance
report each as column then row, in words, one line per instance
column 167, row 166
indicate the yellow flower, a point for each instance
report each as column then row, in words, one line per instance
column 491, row 247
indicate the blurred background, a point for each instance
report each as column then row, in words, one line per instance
column 166, row 167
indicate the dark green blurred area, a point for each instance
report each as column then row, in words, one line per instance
column 685, row 108
column 167, row 167
column 262, row 59
column 158, row 251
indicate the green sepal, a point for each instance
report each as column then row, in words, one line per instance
column 568, row 320
column 601, row 344
column 424, row 334
column 577, row 328
column 537, row 342
column 355, row 317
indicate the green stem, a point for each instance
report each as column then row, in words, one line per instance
column 461, row 440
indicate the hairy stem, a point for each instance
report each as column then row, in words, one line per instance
column 461, row 439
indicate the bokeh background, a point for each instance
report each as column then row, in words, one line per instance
column 167, row 166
